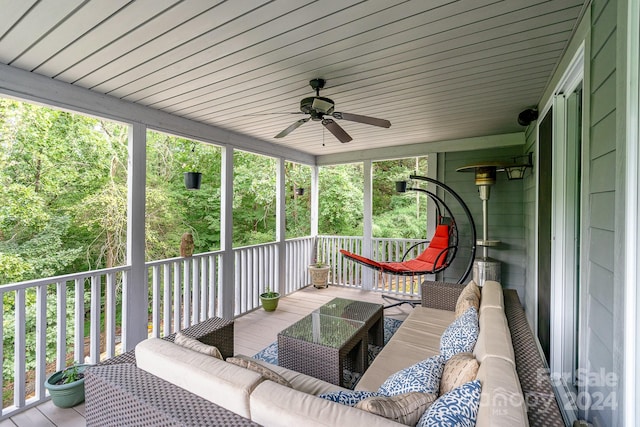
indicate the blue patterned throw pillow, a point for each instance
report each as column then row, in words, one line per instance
column 461, row 335
column 349, row 398
column 458, row 408
column 423, row 377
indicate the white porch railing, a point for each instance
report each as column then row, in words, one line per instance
column 352, row 274
column 35, row 328
column 182, row 292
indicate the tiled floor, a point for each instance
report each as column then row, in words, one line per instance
column 253, row 332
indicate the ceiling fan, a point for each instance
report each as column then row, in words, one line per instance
column 319, row 107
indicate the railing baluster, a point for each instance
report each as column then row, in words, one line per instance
column 79, row 321
column 94, row 338
column 61, row 324
column 166, row 300
column 41, row 340
column 212, row 285
column 110, row 315
column 177, row 296
column 155, row 301
column 204, row 288
column 186, row 292
column 20, row 347
column 195, row 295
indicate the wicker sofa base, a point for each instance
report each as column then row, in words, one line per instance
column 123, row 395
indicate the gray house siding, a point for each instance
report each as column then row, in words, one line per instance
column 599, row 299
column 506, row 211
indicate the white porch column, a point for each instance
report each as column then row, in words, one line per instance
column 136, row 290
column 281, row 214
column 367, row 230
column 432, row 172
column 227, row 276
column 315, row 179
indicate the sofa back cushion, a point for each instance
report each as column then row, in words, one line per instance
column 274, row 405
column 215, row 380
column 501, row 402
column 492, row 295
column 494, row 338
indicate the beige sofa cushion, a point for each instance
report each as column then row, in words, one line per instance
column 492, row 295
column 268, row 374
column 301, row 382
column 417, row 339
column 215, row 380
column 494, row 338
column 193, row 344
column 274, row 405
column 501, row 402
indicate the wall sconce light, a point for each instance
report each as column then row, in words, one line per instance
column 517, row 170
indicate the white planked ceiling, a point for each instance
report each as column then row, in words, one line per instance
column 437, row 69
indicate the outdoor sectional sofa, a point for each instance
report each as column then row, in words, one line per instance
column 162, row 383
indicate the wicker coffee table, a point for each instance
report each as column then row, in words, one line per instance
column 332, row 338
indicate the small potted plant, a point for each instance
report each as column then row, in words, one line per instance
column 66, row 387
column 269, row 299
column 319, row 272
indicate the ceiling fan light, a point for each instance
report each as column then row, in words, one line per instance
column 321, row 105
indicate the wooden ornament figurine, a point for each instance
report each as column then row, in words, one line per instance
column 186, row 245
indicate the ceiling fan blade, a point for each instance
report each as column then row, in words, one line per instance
column 336, row 130
column 293, row 127
column 362, row 119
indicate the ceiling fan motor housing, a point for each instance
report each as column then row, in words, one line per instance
column 317, row 106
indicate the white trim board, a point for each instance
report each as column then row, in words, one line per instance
column 631, row 387
column 418, row 150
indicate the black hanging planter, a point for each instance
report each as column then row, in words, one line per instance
column 192, row 180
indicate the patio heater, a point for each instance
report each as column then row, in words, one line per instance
column 484, row 267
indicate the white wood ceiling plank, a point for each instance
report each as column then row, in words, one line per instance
column 118, row 84
column 114, row 27
column 433, row 112
column 406, row 124
column 40, row 19
column 419, row 80
column 385, row 81
column 109, row 86
column 319, row 28
column 339, row 43
column 351, row 53
column 167, row 48
column 88, row 16
column 249, row 44
column 12, row 12
column 393, row 107
column 230, row 36
column 466, row 58
column 423, row 108
column 150, row 31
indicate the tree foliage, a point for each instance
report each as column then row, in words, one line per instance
column 63, row 185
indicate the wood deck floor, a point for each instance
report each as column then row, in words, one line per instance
column 253, row 332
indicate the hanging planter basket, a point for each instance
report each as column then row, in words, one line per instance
column 192, row 180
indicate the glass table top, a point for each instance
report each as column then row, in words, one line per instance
column 327, row 330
